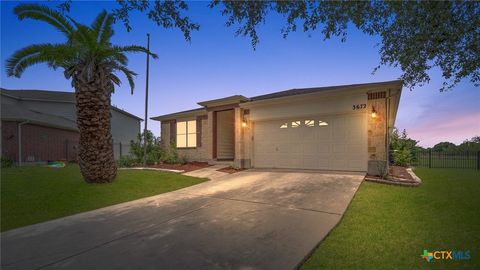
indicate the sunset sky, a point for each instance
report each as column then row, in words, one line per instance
column 217, row 64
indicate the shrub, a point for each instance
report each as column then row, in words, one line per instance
column 170, row 155
column 403, row 149
column 402, row 157
column 6, row 162
column 154, row 148
column 183, row 159
column 126, row 161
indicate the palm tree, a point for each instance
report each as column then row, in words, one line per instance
column 90, row 61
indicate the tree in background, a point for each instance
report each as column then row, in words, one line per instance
column 444, row 147
column 470, row 145
column 91, row 62
column 402, row 148
column 415, row 35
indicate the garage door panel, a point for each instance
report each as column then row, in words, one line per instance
column 264, row 161
column 310, row 148
column 338, row 164
column 355, row 149
column 332, row 143
column 324, row 148
column 295, row 148
column 310, row 162
column 324, row 134
column 339, row 148
column 288, row 161
column 309, row 135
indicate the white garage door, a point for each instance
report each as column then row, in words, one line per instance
column 326, row 143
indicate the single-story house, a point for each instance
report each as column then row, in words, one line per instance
column 46, row 123
column 342, row 127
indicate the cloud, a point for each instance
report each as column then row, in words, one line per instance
column 453, row 128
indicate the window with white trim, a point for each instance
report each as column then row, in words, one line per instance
column 187, row 134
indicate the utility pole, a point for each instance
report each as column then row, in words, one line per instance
column 146, row 105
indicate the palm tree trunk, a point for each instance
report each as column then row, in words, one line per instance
column 93, row 98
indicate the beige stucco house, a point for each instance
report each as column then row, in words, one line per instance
column 342, row 127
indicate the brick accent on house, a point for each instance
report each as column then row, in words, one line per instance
column 173, row 129
column 243, row 140
column 377, row 126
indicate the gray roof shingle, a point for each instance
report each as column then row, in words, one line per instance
column 18, row 113
column 301, row 91
column 55, row 96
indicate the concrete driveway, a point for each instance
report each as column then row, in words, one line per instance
column 248, row 220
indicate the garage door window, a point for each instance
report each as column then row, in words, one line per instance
column 309, row 123
column 187, row 134
column 296, row 124
column 284, row 125
column 322, row 123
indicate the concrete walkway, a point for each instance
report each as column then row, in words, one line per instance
column 208, row 172
column 247, row 220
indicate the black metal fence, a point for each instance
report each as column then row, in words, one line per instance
column 436, row 159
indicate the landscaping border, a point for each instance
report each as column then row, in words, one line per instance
column 153, row 169
column 398, row 181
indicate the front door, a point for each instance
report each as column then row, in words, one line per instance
column 225, row 135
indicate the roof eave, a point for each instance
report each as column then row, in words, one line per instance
column 223, row 101
column 183, row 114
column 340, row 90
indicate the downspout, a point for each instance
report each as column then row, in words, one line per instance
column 387, row 127
column 19, row 132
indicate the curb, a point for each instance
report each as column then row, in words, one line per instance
column 414, row 176
column 153, row 169
column 393, row 182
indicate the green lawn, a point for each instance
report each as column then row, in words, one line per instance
column 388, row 227
column 34, row 194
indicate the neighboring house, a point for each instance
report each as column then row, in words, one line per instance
column 327, row 128
column 46, row 123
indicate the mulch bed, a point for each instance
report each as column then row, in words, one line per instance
column 230, row 170
column 396, row 176
column 400, row 172
column 190, row 166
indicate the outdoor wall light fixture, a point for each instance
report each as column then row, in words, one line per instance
column 244, row 121
column 374, row 113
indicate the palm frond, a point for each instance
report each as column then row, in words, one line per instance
column 113, row 55
column 135, row 48
column 130, row 76
column 83, row 34
column 102, row 27
column 46, row 14
column 98, row 23
column 54, row 55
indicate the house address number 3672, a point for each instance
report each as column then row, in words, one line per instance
column 359, row 106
